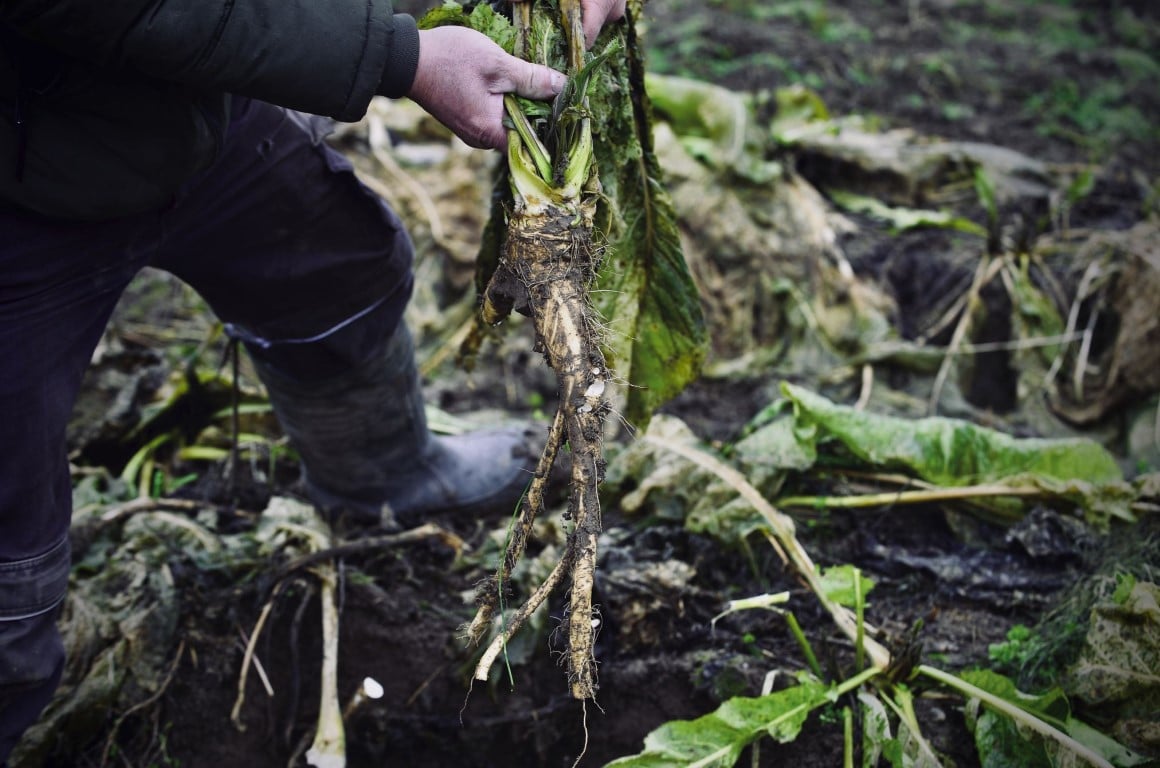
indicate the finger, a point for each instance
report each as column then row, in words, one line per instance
column 492, row 134
column 598, row 13
column 534, row 81
column 591, row 31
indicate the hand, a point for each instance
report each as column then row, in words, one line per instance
column 595, row 14
column 462, row 76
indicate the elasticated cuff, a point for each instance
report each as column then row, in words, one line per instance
column 403, row 60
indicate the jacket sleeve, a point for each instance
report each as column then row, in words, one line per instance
column 327, row 57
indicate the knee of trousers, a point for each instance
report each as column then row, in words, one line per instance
column 336, row 350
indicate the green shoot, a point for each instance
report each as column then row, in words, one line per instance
column 530, row 141
column 807, row 650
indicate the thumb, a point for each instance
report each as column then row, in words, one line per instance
column 533, row 81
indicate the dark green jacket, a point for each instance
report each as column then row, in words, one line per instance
column 107, row 106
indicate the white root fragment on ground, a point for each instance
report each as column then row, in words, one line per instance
column 329, row 747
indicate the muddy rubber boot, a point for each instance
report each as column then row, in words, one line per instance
column 369, row 459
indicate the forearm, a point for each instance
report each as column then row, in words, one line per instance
column 324, row 57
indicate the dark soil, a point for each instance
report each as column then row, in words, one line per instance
column 1067, row 82
column 1063, row 81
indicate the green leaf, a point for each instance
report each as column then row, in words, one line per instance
column 948, row 451
column 1035, row 315
column 1000, row 745
column 1079, row 188
column 1125, row 585
column 951, row 452
column 482, row 19
column 838, row 584
column 998, row 739
column 1050, row 705
column 985, row 190
column 717, row 739
column 1002, row 742
column 797, row 105
column 645, row 294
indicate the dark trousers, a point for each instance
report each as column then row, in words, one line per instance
column 301, row 261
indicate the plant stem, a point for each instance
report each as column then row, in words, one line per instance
column 847, row 737
column 908, row 497
column 796, row 630
column 531, row 141
column 1015, row 712
column 904, row 708
column 859, row 621
column 570, row 12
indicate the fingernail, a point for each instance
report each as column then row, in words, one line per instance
column 558, row 81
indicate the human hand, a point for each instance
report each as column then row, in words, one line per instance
column 595, row 14
column 462, row 76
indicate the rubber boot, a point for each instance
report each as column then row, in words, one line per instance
column 369, row 459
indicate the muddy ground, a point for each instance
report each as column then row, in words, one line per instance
column 1069, row 83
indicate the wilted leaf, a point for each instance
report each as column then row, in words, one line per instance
column 772, row 450
column 1118, row 669
column 901, row 219
column 944, row 452
column 1126, row 365
column 644, row 294
column 876, row 734
column 648, row 480
column 715, row 125
column 948, row 451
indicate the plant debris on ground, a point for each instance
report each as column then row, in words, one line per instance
column 911, row 492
